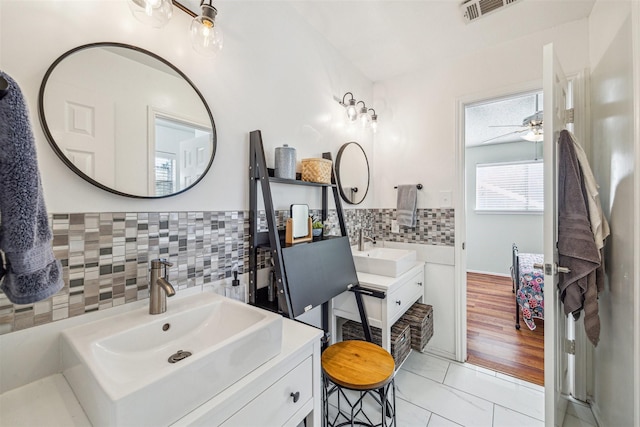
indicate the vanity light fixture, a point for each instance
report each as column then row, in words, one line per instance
column 355, row 112
column 152, row 12
column 206, row 35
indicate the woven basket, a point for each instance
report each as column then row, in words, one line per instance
column 316, row 170
column 400, row 338
column 420, row 318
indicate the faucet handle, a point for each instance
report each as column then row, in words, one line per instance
column 157, row 263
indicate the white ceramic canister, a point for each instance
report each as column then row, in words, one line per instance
column 285, row 165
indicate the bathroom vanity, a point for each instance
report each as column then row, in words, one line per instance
column 400, row 293
column 282, row 391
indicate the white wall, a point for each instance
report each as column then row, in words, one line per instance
column 611, row 55
column 490, row 235
column 417, row 139
column 274, row 74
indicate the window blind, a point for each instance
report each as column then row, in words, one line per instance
column 510, row 187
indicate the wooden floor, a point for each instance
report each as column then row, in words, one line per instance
column 492, row 339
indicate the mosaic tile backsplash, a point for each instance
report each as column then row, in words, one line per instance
column 105, row 256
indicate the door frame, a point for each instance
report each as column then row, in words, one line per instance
column 635, row 42
column 460, row 290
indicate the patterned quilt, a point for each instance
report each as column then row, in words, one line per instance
column 530, row 294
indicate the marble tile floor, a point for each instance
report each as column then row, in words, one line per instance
column 435, row 392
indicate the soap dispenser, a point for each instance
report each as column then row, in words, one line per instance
column 236, row 290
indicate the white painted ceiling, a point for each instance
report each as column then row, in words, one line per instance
column 387, row 38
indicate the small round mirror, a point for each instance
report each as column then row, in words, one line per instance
column 352, row 172
column 126, row 120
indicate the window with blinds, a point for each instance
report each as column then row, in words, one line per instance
column 165, row 176
column 510, row 187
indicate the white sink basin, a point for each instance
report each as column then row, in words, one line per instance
column 384, row 261
column 118, row 367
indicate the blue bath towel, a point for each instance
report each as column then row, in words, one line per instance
column 30, row 272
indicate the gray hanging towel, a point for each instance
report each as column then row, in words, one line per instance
column 30, row 272
column 577, row 248
column 407, row 195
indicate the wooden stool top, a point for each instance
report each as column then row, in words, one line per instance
column 358, row 365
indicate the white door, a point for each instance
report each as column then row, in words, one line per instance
column 555, row 88
column 82, row 124
column 194, row 157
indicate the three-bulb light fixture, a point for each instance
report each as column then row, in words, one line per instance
column 355, row 112
column 206, row 35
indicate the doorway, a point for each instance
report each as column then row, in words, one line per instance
column 503, row 194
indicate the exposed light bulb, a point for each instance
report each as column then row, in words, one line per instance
column 352, row 112
column 363, row 116
column 374, row 120
column 155, row 13
column 206, row 36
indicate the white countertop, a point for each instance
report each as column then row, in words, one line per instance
column 382, row 283
column 46, row 402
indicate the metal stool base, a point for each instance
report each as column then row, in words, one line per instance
column 385, row 397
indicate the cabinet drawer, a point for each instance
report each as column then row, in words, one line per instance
column 276, row 404
column 402, row 298
column 346, row 302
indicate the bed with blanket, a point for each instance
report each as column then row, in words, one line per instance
column 528, row 286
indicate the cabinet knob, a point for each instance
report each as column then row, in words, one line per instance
column 296, row 396
column 398, row 302
column 419, row 283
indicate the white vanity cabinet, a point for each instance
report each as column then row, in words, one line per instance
column 290, row 395
column 401, row 292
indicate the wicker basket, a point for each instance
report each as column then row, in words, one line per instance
column 400, row 338
column 316, row 170
column 420, row 318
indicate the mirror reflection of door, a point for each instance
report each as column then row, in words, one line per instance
column 83, row 123
column 180, row 151
column 98, row 105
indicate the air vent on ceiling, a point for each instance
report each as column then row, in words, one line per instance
column 474, row 9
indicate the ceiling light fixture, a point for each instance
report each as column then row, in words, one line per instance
column 152, row 12
column 206, row 35
column 533, row 135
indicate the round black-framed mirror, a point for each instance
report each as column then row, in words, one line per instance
column 352, row 173
column 127, row 120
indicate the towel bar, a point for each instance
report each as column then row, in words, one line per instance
column 418, row 186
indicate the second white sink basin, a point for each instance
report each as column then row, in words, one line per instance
column 119, row 367
column 384, row 261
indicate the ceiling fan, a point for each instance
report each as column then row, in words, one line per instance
column 531, row 128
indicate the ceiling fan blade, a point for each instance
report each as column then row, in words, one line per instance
column 500, row 136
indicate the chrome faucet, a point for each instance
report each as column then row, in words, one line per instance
column 362, row 238
column 159, row 286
